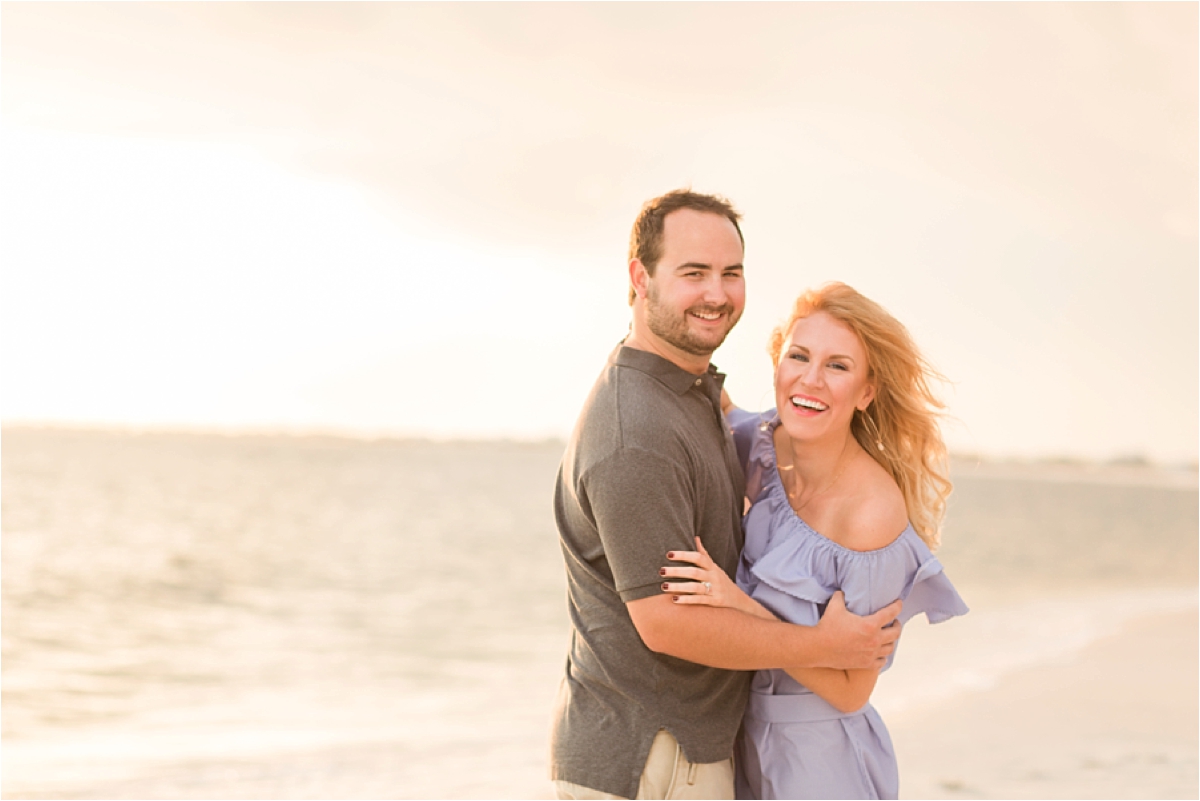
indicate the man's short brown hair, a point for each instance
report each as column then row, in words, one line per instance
column 646, row 240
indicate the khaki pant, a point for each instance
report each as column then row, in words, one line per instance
column 668, row 775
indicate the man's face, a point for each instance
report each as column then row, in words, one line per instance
column 698, row 290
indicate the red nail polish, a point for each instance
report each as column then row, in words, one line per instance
column 664, row 587
column 674, row 597
column 670, row 554
column 662, row 571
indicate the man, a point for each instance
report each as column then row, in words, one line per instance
column 654, row 691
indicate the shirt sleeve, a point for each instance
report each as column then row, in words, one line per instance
column 643, row 505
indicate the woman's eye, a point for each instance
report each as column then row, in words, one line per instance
column 800, row 357
column 838, row 366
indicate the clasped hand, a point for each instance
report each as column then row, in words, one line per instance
column 707, row 584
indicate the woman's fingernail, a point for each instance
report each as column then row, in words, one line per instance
column 670, row 554
column 664, row 586
column 662, row 571
column 675, row 598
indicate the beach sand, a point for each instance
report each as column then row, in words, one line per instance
column 1115, row 720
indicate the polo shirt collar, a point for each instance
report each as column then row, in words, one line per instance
column 676, row 378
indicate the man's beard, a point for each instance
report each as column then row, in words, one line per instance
column 673, row 328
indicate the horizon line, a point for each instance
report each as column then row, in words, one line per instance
column 1064, row 460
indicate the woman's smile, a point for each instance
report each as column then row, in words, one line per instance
column 808, row 405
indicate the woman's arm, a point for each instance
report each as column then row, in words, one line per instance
column 726, row 402
column 845, row 690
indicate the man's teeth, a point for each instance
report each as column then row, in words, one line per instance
column 809, row 404
column 708, row 315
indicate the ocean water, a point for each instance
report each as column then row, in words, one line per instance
column 204, row 616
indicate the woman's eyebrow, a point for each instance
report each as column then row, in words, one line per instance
column 842, row 356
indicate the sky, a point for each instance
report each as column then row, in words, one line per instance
column 412, row 219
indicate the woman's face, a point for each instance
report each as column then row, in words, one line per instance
column 821, row 379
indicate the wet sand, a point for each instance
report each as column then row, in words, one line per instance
column 1115, row 720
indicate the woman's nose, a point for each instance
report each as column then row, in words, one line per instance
column 810, row 375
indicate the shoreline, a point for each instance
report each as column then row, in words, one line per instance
column 1115, row 719
column 1083, row 718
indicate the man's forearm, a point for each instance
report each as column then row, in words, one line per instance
column 730, row 639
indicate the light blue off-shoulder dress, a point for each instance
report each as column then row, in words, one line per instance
column 793, row 743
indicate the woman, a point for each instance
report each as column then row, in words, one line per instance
column 847, row 488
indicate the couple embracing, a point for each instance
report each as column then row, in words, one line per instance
column 736, row 580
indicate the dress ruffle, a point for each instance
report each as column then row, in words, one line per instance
column 794, row 570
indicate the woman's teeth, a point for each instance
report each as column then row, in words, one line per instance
column 805, row 403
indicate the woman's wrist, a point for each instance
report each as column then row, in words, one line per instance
column 753, row 607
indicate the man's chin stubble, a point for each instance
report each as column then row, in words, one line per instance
column 685, row 342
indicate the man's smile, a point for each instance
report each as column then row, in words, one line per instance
column 710, row 315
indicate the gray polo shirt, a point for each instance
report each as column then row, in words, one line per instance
column 650, row 465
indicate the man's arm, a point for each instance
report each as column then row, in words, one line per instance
column 731, row 639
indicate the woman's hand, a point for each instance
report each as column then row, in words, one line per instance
column 709, row 586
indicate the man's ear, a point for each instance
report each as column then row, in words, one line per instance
column 639, row 277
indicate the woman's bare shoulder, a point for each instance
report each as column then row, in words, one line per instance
column 878, row 514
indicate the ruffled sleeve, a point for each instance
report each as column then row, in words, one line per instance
column 800, row 570
column 931, row 594
column 745, row 427
column 752, row 436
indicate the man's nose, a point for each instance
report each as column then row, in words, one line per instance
column 714, row 291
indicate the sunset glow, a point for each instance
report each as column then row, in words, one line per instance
column 394, row 219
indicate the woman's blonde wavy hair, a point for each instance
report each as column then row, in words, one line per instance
column 903, row 417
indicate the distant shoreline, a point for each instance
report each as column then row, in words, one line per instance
column 278, row 432
column 1133, row 470
column 1144, row 474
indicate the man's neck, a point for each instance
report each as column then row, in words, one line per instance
column 641, row 339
